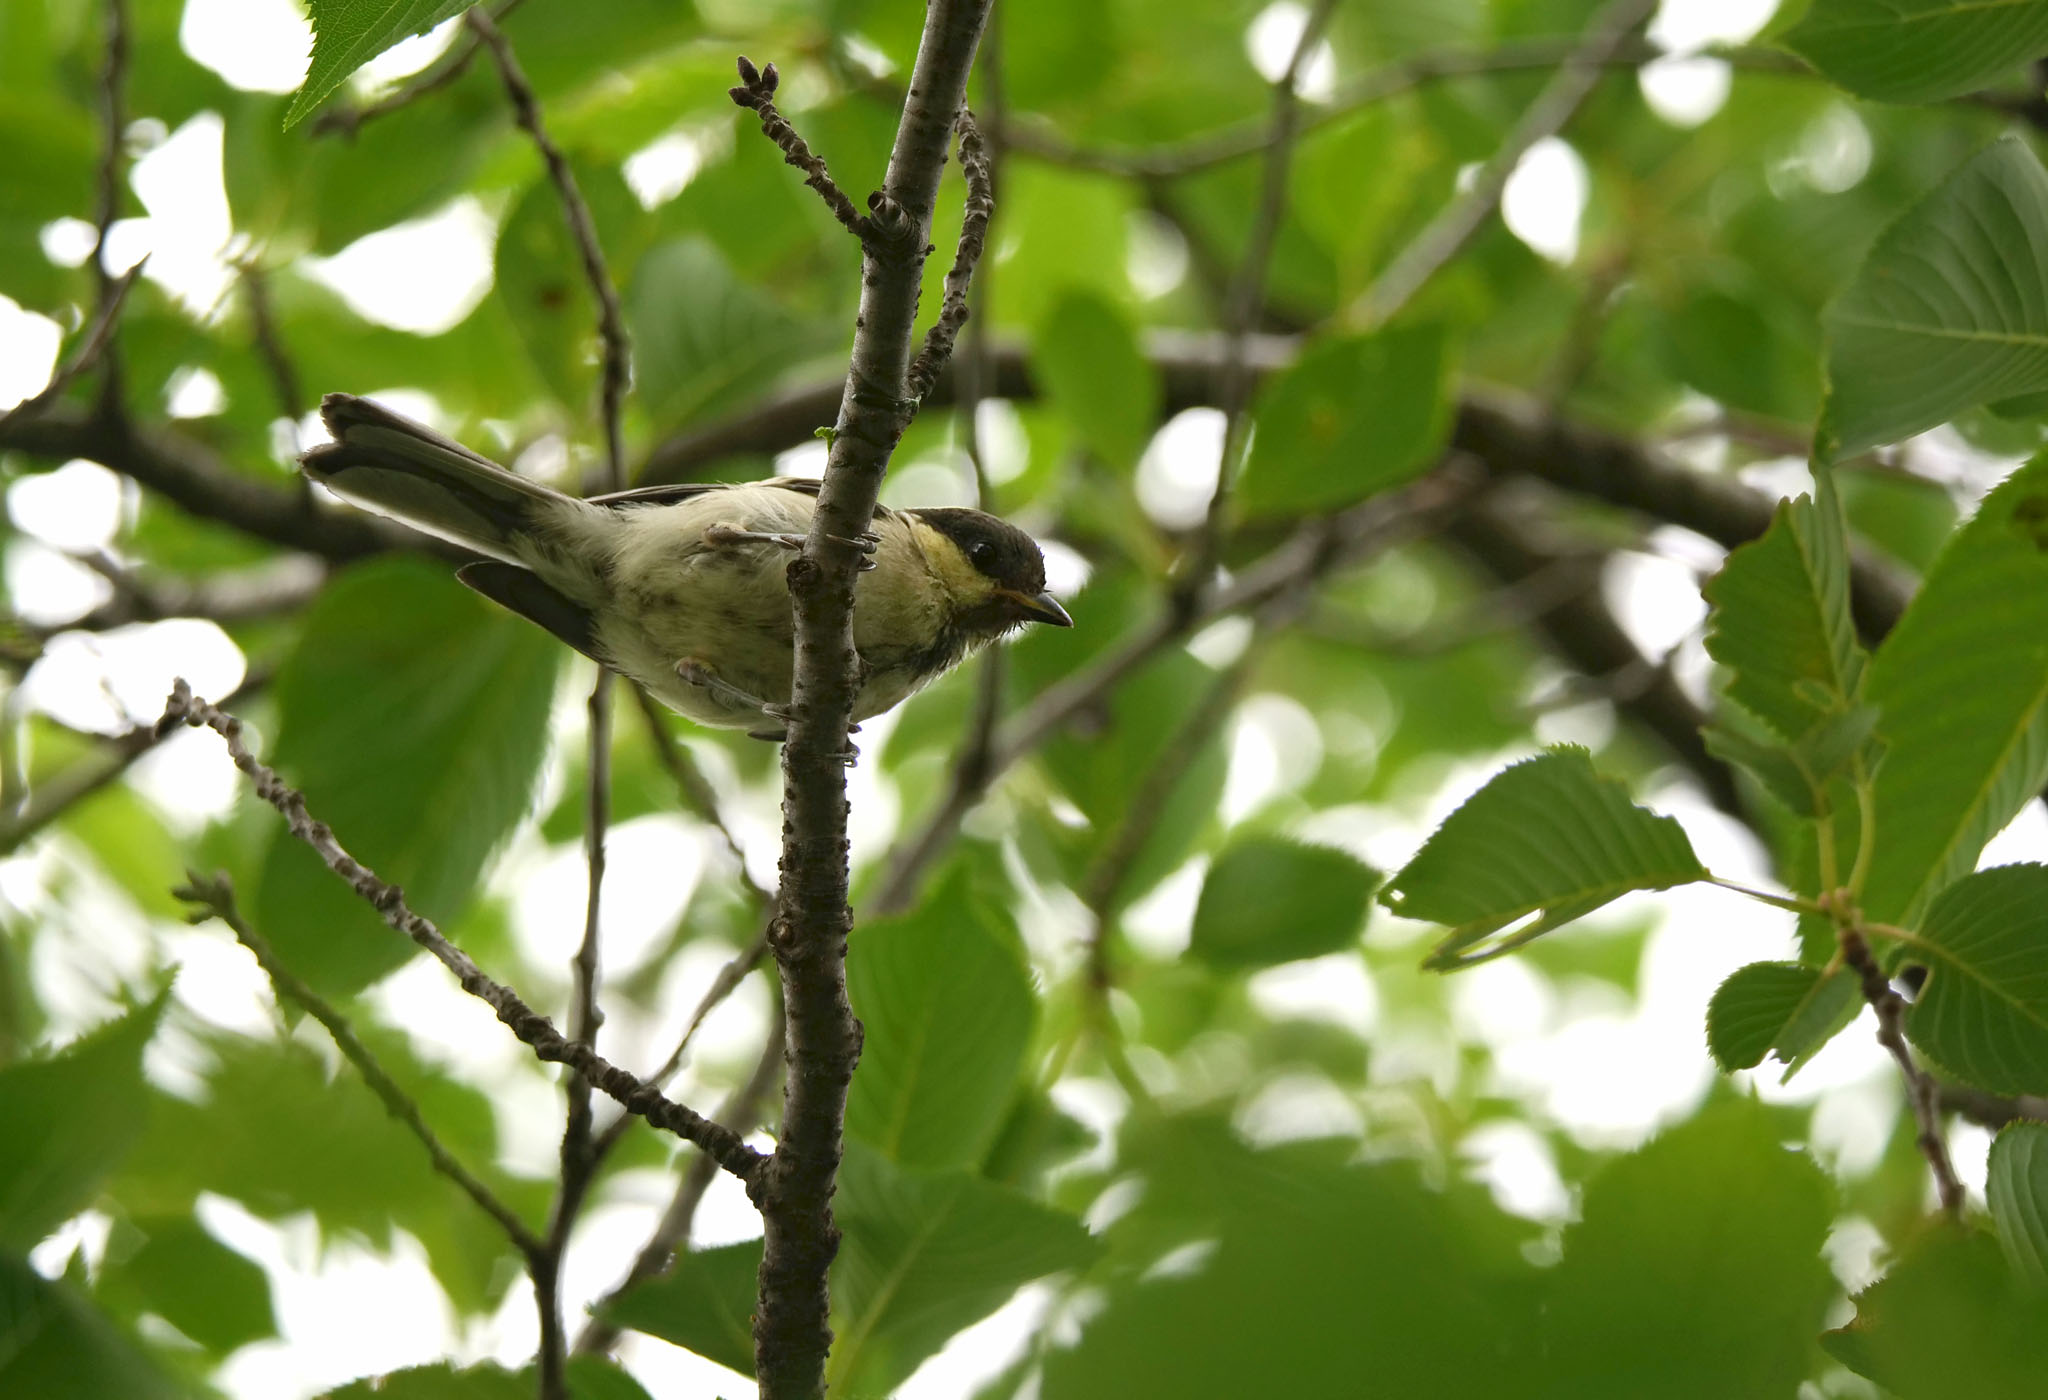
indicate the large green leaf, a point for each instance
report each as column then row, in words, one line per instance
column 926, row 1254
column 70, row 1120
column 1983, row 1014
column 1352, row 416
column 1547, row 837
column 56, row 1346
column 1087, row 360
column 1948, row 1321
column 1780, row 621
column 1919, row 50
column 948, row 1009
column 539, row 276
column 414, row 716
column 1695, row 1270
column 1949, row 309
column 1269, row 900
column 184, row 1275
column 704, row 1303
column 2016, row 1187
column 349, row 33
column 1963, row 685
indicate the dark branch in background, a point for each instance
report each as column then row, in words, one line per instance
column 579, row 1157
column 347, row 120
column 215, row 896
column 756, row 92
column 279, row 585
column 1578, row 626
column 1241, row 309
column 1993, row 1111
column 1455, row 224
column 792, row 1334
column 114, row 137
column 98, row 341
column 1922, row 1090
column 981, row 207
column 270, row 347
column 742, row 1108
column 533, row 1029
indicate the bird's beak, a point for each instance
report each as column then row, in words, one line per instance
column 1042, row 607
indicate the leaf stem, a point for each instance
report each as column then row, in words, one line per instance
column 1777, row 901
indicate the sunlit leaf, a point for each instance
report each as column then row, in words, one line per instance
column 1919, row 50
column 1983, row 1014
column 1267, row 900
column 349, row 33
column 704, row 1303
column 1547, row 837
column 1921, row 333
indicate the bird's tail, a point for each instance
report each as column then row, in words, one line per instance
column 394, row 466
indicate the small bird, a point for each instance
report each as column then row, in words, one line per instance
column 682, row 589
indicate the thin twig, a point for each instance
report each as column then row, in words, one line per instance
column 113, row 141
column 1454, row 225
column 981, row 207
column 1923, row 1091
column 756, row 92
column 270, row 346
column 611, row 325
column 533, row 1029
column 741, row 1108
column 98, row 341
column 696, row 789
column 215, row 895
column 1247, row 296
column 347, row 119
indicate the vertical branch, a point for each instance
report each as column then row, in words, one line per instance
column 579, row 1156
column 794, row 1192
column 1247, row 296
column 1923, row 1091
column 114, row 121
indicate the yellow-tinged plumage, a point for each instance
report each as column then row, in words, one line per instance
column 683, row 589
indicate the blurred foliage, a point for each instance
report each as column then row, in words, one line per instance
column 1217, row 1121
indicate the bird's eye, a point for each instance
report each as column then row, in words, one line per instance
column 981, row 554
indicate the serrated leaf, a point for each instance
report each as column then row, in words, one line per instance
column 1086, row 358
column 442, row 1381
column 1917, row 51
column 1834, row 1002
column 704, row 1303
column 1948, row 1321
column 349, row 33
column 948, row 1010
column 1351, row 417
column 1547, row 837
column 70, row 1120
column 414, row 717
column 1963, row 685
column 1780, row 621
column 926, row 1254
column 1268, row 900
column 54, row 1345
column 1751, row 1008
column 1983, row 1014
column 1946, row 310
column 2016, row 1187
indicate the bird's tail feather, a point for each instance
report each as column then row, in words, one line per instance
column 394, row 466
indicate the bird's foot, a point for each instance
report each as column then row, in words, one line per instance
column 691, row 671
column 724, row 534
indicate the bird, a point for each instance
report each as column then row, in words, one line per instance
column 682, row 589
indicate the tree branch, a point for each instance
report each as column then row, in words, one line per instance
column 533, row 1029
column 981, row 207
column 215, row 896
column 1922, row 1090
column 99, row 338
column 756, row 92
column 794, row 1191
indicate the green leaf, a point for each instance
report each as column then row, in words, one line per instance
column 1983, row 1014
column 1780, row 621
column 56, row 1346
column 539, row 276
column 1270, row 900
column 2016, row 1187
column 414, row 717
column 349, row 33
column 1547, row 837
column 70, row 1120
column 1940, row 317
column 1695, row 1270
column 184, row 1275
column 1752, row 1008
column 1948, row 1321
column 704, row 1303
column 439, row 1382
column 926, row 1254
column 1963, row 684
column 948, row 1010
column 703, row 339
column 1919, row 51
column 1087, row 359
column 1351, row 417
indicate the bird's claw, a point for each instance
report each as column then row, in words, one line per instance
column 721, row 533
column 691, row 671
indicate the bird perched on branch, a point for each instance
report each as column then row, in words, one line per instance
column 682, row 589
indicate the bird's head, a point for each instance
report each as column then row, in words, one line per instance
column 992, row 571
